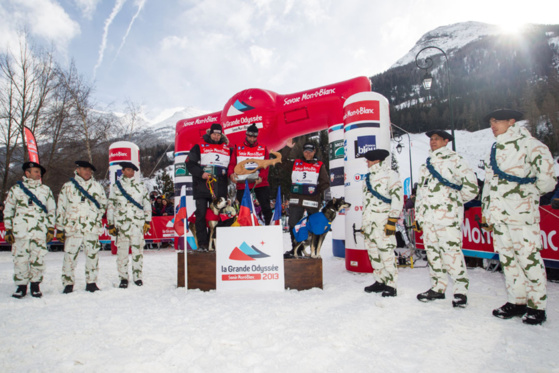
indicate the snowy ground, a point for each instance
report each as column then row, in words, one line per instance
column 161, row 328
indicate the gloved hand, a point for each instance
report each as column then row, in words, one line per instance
column 60, row 236
column 50, row 234
column 485, row 226
column 390, row 227
column 146, row 227
column 9, row 237
column 416, row 226
column 112, row 230
column 555, row 204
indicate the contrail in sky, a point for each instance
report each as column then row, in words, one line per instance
column 108, row 21
column 141, row 4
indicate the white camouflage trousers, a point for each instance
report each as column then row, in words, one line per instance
column 443, row 245
column 136, row 244
column 90, row 245
column 28, row 256
column 381, row 254
column 519, row 252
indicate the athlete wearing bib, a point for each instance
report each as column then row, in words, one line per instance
column 309, row 180
column 251, row 149
column 209, row 158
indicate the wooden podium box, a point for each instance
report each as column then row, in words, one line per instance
column 300, row 274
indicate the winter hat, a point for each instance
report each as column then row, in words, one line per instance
column 85, row 164
column 309, row 146
column 128, row 165
column 216, row 128
column 252, row 130
column 376, row 155
column 441, row 133
column 28, row 165
column 503, row 114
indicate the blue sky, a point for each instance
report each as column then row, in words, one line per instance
column 166, row 54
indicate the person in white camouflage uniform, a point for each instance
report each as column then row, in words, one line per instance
column 382, row 204
column 129, row 219
column 518, row 170
column 446, row 183
column 29, row 218
column 81, row 205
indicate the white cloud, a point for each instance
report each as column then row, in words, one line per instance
column 45, row 20
column 87, row 7
column 261, row 56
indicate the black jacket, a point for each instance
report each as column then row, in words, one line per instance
column 199, row 187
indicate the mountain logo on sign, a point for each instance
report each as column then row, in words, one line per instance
column 238, row 108
column 246, row 253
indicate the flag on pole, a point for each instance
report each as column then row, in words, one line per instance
column 31, row 146
column 246, row 216
column 180, row 216
column 276, row 219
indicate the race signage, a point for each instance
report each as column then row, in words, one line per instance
column 249, row 258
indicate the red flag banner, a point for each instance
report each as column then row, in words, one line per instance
column 31, row 146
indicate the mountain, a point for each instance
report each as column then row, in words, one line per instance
column 487, row 69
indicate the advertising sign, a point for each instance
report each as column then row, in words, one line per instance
column 249, row 258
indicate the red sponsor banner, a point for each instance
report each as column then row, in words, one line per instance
column 120, row 154
column 161, row 229
column 479, row 243
column 31, row 146
column 362, row 111
column 242, row 277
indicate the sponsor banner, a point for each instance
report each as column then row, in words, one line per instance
column 479, row 243
column 181, row 170
column 336, row 176
column 361, row 125
column 336, row 150
column 361, row 111
column 209, row 119
column 120, row 154
column 31, row 146
column 249, row 258
column 178, row 187
column 161, row 229
column 363, row 144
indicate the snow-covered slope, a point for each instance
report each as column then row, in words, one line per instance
column 449, row 38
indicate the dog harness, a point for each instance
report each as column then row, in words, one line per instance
column 316, row 223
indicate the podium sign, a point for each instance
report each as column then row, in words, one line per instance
column 249, row 258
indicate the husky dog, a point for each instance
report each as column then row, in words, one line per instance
column 315, row 240
column 214, row 217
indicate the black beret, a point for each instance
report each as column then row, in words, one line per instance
column 441, row 133
column 309, row 146
column 128, row 165
column 216, row 127
column 376, row 155
column 28, row 165
column 503, row 114
column 252, row 130
column 86, row 165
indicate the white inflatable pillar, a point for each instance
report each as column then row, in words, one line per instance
column 336, row 157
column 366, row 127
column 123, row 151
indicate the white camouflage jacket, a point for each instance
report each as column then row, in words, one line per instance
column 518, row 154
column 387, row 184
column 438, row 203
column 24, row 217
column 122, row 213
column 77, row 215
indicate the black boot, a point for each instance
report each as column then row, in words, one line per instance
column 35, row 290
column 533, row 316
column 389, row 291
column 123, row 284
column 20, row 292
column 377, row 287
column 430, row 295
column 460, row 300
column 509, row 310
column 139, row 282
column 68, row 289
column 92, row 288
